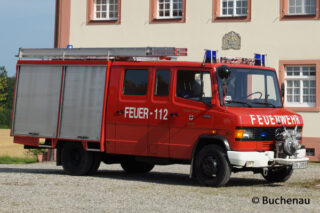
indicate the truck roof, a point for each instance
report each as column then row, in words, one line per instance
column 186, row 64
column 162, row 63
column 127, row 56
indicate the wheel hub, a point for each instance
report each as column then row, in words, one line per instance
column 210, row 166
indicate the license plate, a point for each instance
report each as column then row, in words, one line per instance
column 300, row 165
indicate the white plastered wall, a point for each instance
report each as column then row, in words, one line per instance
column 265, row 33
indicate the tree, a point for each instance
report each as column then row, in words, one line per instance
column 3, row 87
column 6, row 97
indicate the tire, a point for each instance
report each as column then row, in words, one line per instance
column 212, row 167
column 95, row 163
column 75, row 160
column 278, row 175
column 133, row 166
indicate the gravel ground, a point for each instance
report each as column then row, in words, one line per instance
column 45, row 188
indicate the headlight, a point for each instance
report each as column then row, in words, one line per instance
column 243, row 134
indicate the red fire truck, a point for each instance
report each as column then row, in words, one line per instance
column 135, row 107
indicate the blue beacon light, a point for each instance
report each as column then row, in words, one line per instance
column 208, row 56
column 70, row 46
column 214, row 56
column 211, row 56
column 263, row 134
column 263, row 62
column 260, row 59
column 257, row 59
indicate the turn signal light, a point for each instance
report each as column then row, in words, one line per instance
column 239, row 133
column 243, row 134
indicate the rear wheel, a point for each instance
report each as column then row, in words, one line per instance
column 75, row 160
column 95, row 163
column 133, row 166
column 212, row 167
column 281, row 174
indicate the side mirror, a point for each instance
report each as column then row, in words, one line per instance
column 282, row 89
column 224, row 71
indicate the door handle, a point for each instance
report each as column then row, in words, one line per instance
column 119, row 112
column 83, row 137
column 175, row 114
column 33, row 133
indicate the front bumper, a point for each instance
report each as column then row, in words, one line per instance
column 264, row 159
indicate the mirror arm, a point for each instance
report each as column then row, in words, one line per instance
column 282, row 89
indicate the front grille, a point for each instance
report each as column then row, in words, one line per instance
column 269, row 132
column 268, row 145
column 263, row 133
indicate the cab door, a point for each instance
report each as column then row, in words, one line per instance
column 132, row 111
column 158, row 130
column 189, row 116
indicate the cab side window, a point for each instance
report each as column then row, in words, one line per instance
column 162, row 83
column 194, row 85
column 135, row 82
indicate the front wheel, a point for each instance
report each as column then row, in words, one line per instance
column 212, row 167
column 133, row 166
column 281, row 174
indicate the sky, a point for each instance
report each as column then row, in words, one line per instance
column 26, row 24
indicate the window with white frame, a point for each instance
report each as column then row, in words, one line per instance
column 302, row 7
column 300, row 84
column 169, row 9
column 106, row 10
column 234, row 7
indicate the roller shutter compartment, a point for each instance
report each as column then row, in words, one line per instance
column 82, row 102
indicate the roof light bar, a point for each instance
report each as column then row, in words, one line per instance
column 248, row 61
column 210, row 56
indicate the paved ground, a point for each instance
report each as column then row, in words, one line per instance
column 45, row 188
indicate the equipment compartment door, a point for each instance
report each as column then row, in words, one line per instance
column 37, row 100
column 82, row 102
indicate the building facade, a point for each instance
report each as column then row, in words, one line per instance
column 288, row 31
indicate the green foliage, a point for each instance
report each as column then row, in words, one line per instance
column 3, row 87
column 5, row 118
column 35, row 152
column 6, row 98
column 16, row 160
column 11, row 84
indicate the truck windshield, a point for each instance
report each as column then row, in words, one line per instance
column 250, row 88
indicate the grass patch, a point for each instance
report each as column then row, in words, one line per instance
column 16, row 160
column 314, row 184
column 314, row 162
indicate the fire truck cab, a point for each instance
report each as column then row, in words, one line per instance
column 104, row 104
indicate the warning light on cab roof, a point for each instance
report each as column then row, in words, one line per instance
column 211, row 56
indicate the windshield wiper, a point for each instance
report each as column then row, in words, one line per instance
column 239, row 102
column 264, row 103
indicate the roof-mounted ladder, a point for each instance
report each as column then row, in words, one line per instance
column 100, row 53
